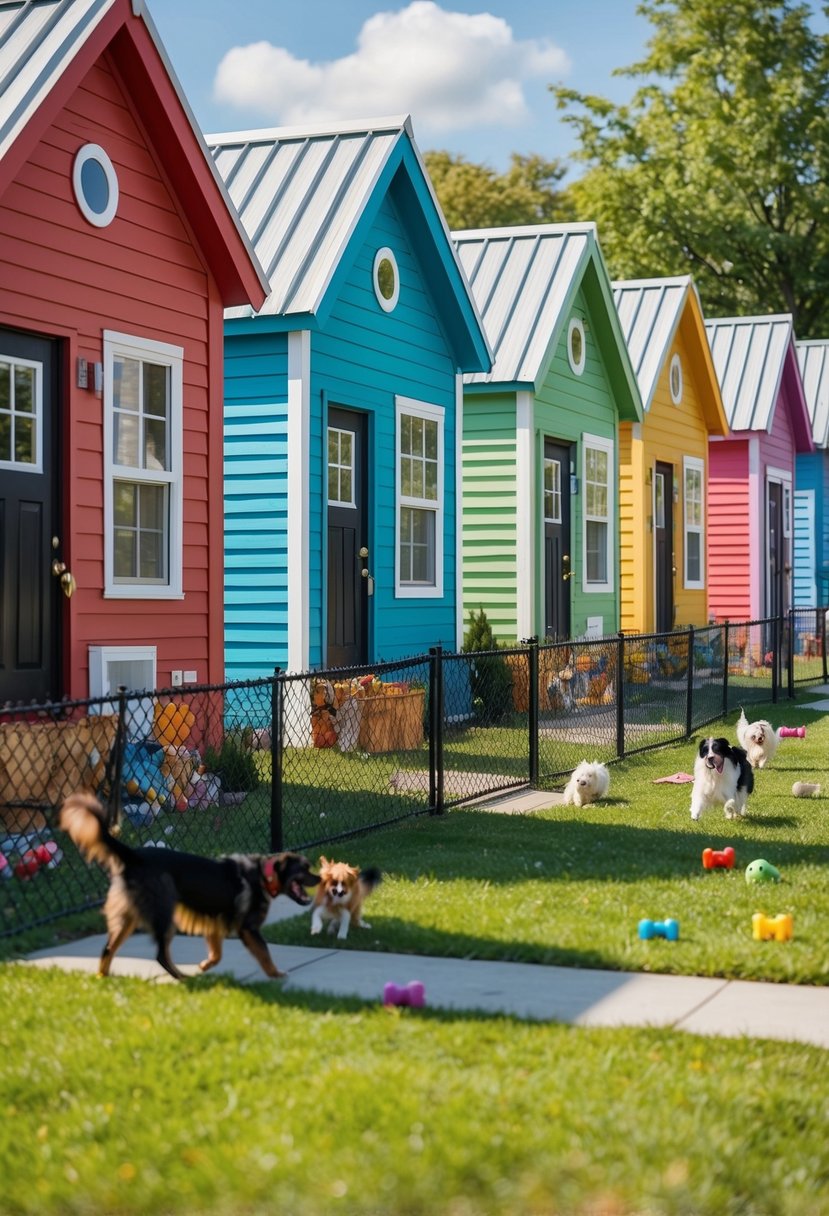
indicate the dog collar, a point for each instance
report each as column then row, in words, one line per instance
column 269, row 879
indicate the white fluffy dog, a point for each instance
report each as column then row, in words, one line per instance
column 722, row 777
column 758, row 739
column 588, row 782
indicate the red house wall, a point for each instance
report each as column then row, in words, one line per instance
column 143, row 275
column 729, row 531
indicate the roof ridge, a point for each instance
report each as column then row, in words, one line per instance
column 363, row 126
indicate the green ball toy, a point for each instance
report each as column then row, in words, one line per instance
column 762, row 871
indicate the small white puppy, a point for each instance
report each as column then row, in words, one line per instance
column 758, row 739
column 588, row 782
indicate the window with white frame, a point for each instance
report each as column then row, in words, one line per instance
column 341, row 471
column 694, row 517
column 21, row 414
column 552, row 491
column 598, row 520
column 419, row 550
column 142, row 467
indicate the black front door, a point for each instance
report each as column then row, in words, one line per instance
column 29, row 595
column 663, row 536
column 348, row 589
column 775, row 559
column 557, row 568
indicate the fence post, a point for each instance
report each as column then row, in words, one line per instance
column 775, row 654
column 689, row 689
column 277, row 702
column 725, row 670
column 532, row 708
column 790, row 655
column 820, row 632
column 436, row 793
column 620, row 695
column 114, row 817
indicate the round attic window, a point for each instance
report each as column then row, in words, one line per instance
column 576, row 346
column 675, row 376
column 386, row 279
column 96, row 185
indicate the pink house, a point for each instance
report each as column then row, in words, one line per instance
column 751, row 470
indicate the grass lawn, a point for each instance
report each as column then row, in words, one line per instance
column 130, row 1097
column 569, row 886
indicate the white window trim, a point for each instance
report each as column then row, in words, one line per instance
column 577, row 368
column 382, row 255
column 435, row 413
column 16, row 465
column 173, row 357
column 605, row 445
column 100, row 219
column 341, row 502
column 693, row 462
column 676, row 362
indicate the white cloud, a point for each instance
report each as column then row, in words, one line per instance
column 451, row 71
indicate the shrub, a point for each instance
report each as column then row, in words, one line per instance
column 235, row 765
column 490, row 676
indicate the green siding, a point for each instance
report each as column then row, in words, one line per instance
column 489, row 511
column 566, row 407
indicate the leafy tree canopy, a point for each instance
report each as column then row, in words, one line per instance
column 475, row 196
column 718, row 164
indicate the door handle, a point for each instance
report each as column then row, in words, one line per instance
column 64, row 576
column 566, row 572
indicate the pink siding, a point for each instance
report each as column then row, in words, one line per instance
column 142, row 275
column 729, row 546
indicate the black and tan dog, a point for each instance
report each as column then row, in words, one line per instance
column 163, row 890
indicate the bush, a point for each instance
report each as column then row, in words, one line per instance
column 490, row 676
column 235, row 765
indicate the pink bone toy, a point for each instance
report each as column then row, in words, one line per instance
column 792, row 732
column 409, row 994
column 712, row 859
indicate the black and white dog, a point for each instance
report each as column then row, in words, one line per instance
column 722, row 776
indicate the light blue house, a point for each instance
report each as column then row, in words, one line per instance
column 811, row 495
column 342, row 403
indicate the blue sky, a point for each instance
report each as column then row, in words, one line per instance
column 472, row 73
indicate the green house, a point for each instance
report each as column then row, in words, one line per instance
column 540, row 523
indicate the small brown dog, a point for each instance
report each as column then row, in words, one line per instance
column 339, row 896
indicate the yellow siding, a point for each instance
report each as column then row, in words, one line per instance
column 669, row 432
column 632, row 523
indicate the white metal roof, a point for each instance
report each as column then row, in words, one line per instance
column 521, row 280
column 649, row 311
column 813, row 360
column 38, row 40
column 300, row 193
column 749, row 355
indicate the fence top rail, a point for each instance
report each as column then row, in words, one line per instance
column 338, row 674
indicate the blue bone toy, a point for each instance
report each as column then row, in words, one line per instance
column 669, row 929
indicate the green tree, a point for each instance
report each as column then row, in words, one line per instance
column 718, row 164
column 475, row 196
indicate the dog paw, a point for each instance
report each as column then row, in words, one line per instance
column 315, row 929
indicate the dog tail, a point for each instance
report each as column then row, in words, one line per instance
column 369, row 879
column 82, row 818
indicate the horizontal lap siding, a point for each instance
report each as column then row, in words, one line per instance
column 634, row 530
column 567, row 406
column 489, row 511
column 729, row 528
column 255, row 505
column 361, row 359
column 141, row 276
column 805, row 581
column 672, row 432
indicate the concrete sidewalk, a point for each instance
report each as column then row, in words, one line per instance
column 730, row 1008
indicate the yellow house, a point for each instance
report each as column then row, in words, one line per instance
column 663, row 460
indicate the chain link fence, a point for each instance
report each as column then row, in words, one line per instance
column 300, row 761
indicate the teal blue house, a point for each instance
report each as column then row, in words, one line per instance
column 342, row 403
column 811, row 494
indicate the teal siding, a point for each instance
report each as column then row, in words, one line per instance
column 255, row 498
column 361, row 360
column 811, row 537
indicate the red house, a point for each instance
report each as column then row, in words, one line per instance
column 118, row 253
